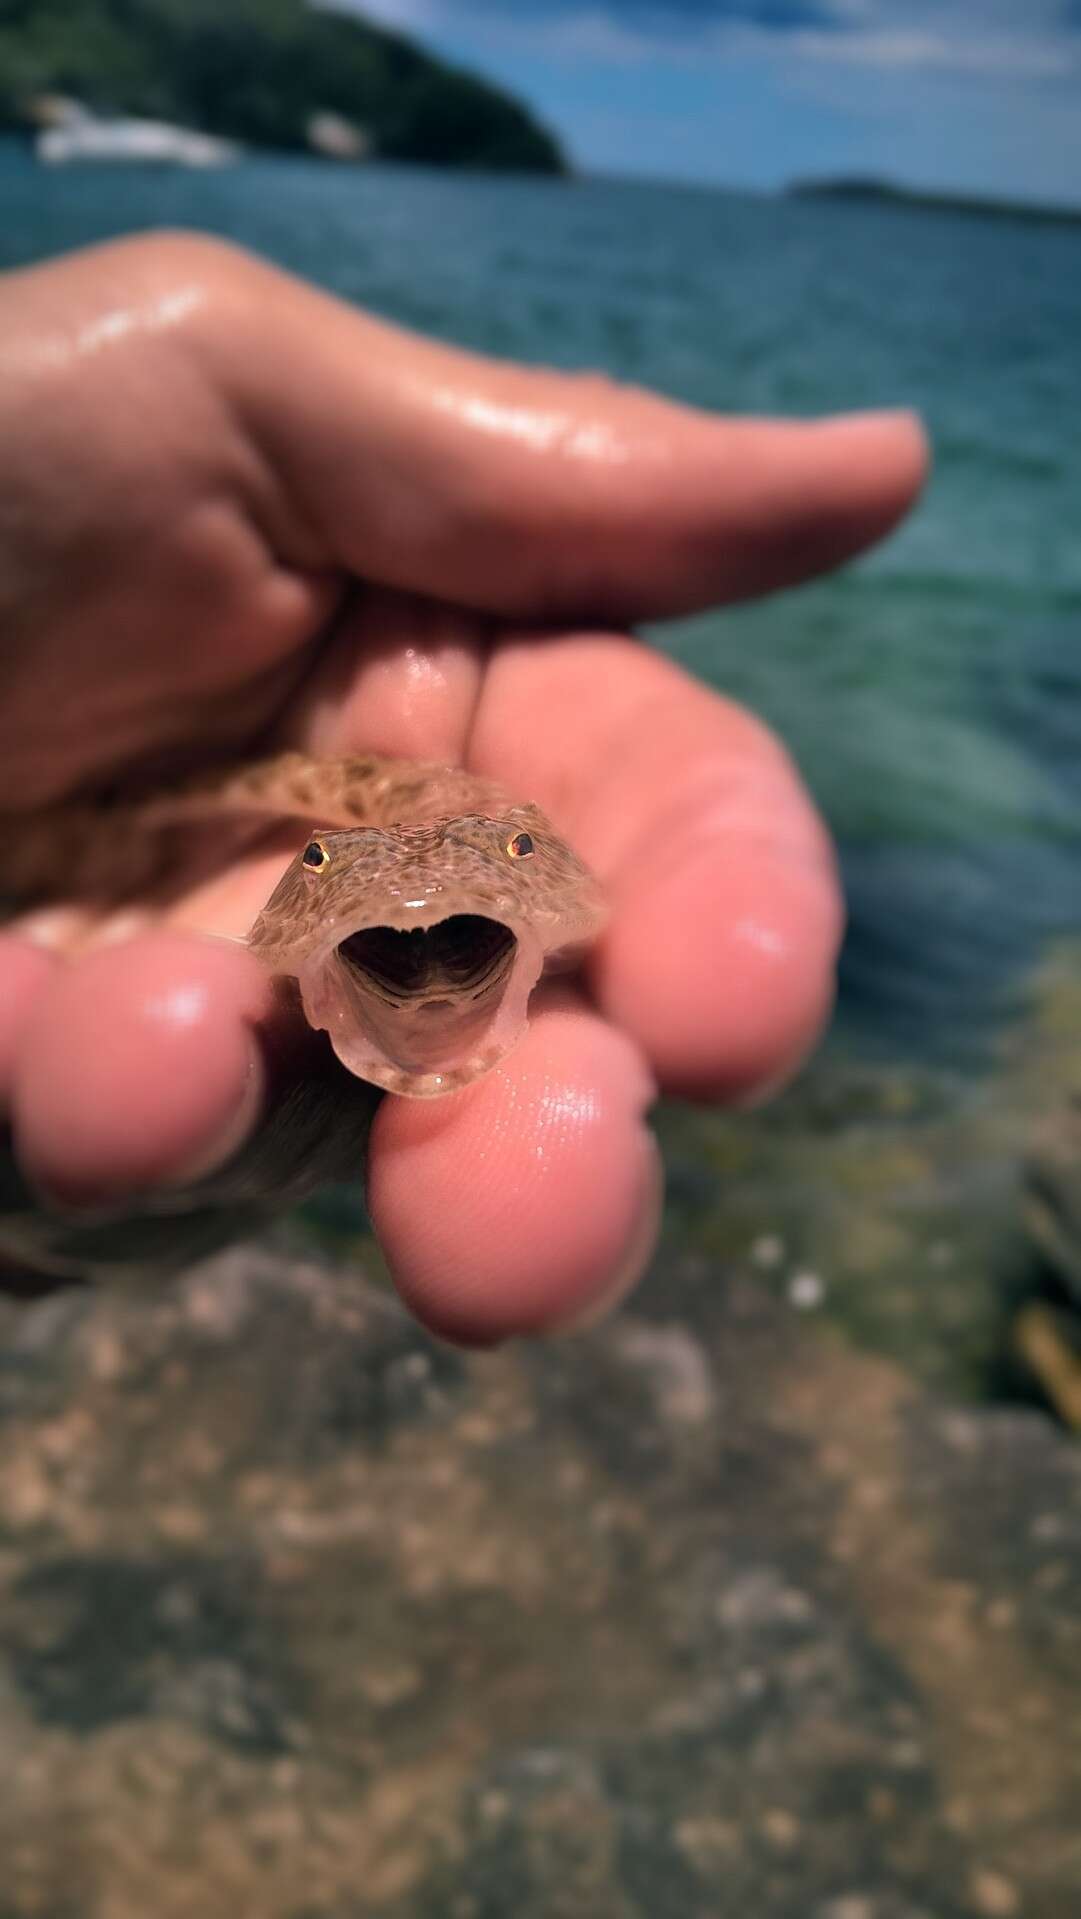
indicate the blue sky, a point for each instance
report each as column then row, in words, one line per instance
column 978, row 95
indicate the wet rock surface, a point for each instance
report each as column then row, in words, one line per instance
column 751, row 1601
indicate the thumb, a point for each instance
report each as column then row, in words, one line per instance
column 538, row 494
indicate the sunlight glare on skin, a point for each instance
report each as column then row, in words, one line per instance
column 566, row 1108
column 114, row 328
column 542, row 432
column 183, row 1005
column 152, row 317
column 766, row 939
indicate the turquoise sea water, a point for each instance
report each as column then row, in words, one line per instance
column 932, row 693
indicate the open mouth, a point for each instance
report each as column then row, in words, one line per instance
column 463, row 958
column 427, row 999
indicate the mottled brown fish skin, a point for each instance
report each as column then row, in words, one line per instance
column 408, row 845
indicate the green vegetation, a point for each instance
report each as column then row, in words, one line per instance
column 888, row 193
column 255, row 71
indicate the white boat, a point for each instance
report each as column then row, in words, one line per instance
column 80, row 136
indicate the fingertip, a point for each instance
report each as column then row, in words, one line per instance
column 889, row 446
column 139, row 1067
column 530, row 1200
column 723, row 969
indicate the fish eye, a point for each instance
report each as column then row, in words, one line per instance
column 315, row 857
column 520, row 846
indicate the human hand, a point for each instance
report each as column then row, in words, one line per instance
column 239, row 515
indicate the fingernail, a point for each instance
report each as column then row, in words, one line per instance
column 871, row 423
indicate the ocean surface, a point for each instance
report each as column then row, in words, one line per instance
column 932, row 692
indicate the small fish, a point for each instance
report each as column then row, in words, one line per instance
column 417, row 917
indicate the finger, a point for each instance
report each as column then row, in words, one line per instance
column 720, row 955
column 24, row 973
column 138, row 1066
column 529, row 492
column 401, row 675
column 532, row 1198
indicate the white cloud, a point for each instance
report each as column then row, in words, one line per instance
column 978, row 39
column 588, row 34
column 1020, row 56
column 409, row 16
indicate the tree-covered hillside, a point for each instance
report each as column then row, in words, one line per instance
column 256, row 70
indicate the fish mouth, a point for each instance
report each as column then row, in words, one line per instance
column 463, row 958
column 427, row 1009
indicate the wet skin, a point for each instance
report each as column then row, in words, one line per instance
column 245, row 516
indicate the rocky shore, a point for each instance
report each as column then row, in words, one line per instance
column 763, row 1598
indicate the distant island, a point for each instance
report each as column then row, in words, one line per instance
column 889, row 193
column 262, row 72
